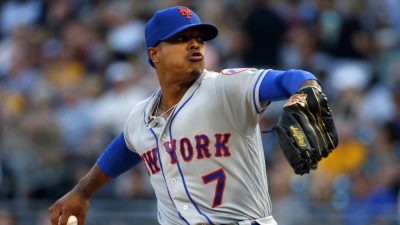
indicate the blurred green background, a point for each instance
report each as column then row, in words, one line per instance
column 71, row 70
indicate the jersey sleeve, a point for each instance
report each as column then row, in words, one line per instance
column 238, row 90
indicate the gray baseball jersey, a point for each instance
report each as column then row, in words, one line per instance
column 206, row 161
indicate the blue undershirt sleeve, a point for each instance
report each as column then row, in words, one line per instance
column 117, row 158
column 279, row 85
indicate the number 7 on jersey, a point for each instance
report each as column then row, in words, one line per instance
column 219, row 176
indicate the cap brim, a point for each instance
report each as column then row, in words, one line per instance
column 209, row 31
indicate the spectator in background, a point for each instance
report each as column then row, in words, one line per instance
column 74, row 118
column 7, row 218
column 264, row 31
column 16, row 13
column 125, row 32
column 58, row 14
column 350, row 156
column 369, row 205
column 342, row 35
column 112, row 108
column 7, row 182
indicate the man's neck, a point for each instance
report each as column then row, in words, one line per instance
column 172, row 94
column 173, row 90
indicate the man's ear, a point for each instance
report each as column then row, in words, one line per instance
column 152, row 52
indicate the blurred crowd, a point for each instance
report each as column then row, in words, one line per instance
column 71, row 70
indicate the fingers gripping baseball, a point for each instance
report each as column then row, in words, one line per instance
column 71, row 204
column 71, row 220
column 306, row 130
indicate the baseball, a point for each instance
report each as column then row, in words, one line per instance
column 72, row 220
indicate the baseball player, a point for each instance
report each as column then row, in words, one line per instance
column 198, row 134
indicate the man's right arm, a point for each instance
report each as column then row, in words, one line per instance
column 76, row 202
column 115, row 160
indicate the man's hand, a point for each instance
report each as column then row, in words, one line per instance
column 306, row 130
column 76, row 202
column 73, row 203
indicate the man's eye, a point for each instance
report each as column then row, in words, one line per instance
column 185, row 38
column 200, row 38
column 181, row 38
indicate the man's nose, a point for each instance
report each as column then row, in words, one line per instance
column 194, row 44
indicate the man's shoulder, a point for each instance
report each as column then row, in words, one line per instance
column 141, row 105
column 228, row 72
column 238, row 71
column 209, row 74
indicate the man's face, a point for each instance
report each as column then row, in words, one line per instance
column 183, row 52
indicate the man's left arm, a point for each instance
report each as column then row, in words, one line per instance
column 279, row 85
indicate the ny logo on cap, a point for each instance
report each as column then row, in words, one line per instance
column 185, row 12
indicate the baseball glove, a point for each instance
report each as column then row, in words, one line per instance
column 306, row 130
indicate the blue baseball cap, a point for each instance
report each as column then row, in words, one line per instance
column 168, row 22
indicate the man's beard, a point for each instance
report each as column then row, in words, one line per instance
column 197, row 72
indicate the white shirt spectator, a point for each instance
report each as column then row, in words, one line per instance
column 114, row 106
column 17, row 13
